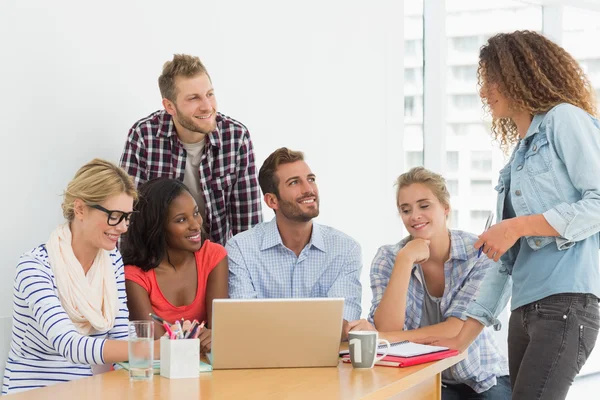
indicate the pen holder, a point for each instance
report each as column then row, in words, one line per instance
column 179, row 358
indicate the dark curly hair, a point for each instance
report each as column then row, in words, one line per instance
column 534, row 74
column 145, row 243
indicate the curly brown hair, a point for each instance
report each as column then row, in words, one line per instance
column 534, row 74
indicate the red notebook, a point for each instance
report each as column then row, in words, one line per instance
column 395, row 361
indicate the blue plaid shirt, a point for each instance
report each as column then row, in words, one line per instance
column 260, row 266
column 463, row 274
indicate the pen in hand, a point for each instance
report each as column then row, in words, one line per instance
column 488, row 223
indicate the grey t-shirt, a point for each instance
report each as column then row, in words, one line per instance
column 191, row 176
column 431, row 313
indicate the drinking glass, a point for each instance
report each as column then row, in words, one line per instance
column 141, row 350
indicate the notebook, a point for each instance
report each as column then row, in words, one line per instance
column 395, row 361
column 204, row 367
column 405, row 349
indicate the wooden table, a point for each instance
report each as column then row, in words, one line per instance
column 344, row 382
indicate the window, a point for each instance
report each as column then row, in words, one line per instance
column 462, row 101
column 409, row 106
column 592, row 69
column 454, row 219
column 413, row 159
column 413, row 83
column 481, row 187
column 467, row 44
column 481, row 161
column 452, row 161
column 473, row 158
column 478, row 220
column 475, row 130
column 452, row 186
column 465, row 74
column 581, row 32
column 413, row 76
column 413, row 48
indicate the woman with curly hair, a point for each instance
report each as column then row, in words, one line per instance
column 171, row 269
column 548, row 212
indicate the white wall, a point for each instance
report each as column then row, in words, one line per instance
column 324, row 77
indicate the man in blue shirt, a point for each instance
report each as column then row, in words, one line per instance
column 291, row 256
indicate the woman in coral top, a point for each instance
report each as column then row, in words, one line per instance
column 171, row 270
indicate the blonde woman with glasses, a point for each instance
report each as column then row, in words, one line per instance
column 70, row 307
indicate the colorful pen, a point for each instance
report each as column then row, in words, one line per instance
column 198, row 330
column 191, row 330
column 158, row 319
column 178, row 331
column 169, row 331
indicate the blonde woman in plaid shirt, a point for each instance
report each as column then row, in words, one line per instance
column 191, row 142
column 423, row 284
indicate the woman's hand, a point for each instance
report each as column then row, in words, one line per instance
column 205, row 340
column 416, row 251
column 498, row 239
column 467, row 335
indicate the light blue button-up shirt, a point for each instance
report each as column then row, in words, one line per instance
column 260, row 266
column 554, row 171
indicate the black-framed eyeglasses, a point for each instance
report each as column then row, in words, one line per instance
column 114, row 216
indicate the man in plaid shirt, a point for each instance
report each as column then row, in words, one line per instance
column 192, row 142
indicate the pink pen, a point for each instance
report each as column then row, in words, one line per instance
column 178, row 330
column 169, row 331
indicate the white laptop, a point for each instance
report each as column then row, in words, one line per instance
column 276, row 333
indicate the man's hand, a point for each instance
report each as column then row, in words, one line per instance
column 345, row 330
column 360, row 325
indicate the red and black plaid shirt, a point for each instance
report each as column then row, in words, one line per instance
column 227, row 173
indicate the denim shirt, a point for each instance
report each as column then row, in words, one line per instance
column 553, row 171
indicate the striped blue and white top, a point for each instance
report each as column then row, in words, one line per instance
column 46, row 348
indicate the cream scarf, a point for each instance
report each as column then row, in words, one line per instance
column 90, row 300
